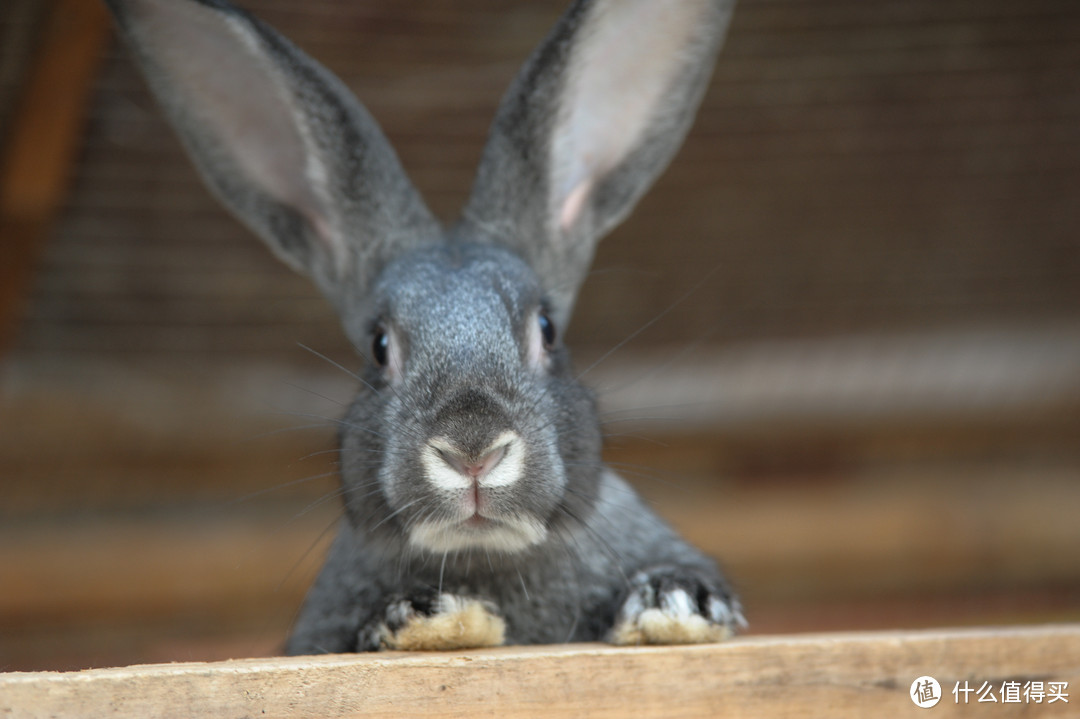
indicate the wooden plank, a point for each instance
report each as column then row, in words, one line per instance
column 258, row 626
column 839, row 675
column 41, row 145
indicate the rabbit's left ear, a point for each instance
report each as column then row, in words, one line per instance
column 593, row 118
column 280, row 140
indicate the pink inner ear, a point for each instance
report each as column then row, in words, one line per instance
column 631, row 54
column 226, row 82
column 573, row 205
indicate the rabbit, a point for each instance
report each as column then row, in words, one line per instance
column 477, row 509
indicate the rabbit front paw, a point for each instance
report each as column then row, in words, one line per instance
column 426, row 620
column 673, row 605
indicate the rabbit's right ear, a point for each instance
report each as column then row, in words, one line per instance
column 279, row 139
column 593, row 118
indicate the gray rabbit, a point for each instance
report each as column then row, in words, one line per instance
column 477, row 508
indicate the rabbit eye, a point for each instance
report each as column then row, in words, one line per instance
column 547, row 330
column 380, row 346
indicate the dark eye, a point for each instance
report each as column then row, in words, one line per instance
column 547, row 330
column 380, row 346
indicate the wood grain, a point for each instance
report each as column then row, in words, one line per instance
column 840, row 675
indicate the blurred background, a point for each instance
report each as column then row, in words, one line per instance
column 847, row 323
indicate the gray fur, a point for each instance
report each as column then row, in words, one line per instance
column 341, row 231
column 509, row 202
column 552, row 542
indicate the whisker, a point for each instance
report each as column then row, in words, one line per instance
column 307, row 552
column 395, row 513
column 522, row 580
column 690, row 347
column 641, row 438
column 676, row 481
column 282, row 430
column 603, row 543
column 335, row 450
column 334, row 363
column 275, row 488
column 335, row 421
column 664, row 313
column 358, row 378
column 320, row 395
column 628, row 414
column 339, row 492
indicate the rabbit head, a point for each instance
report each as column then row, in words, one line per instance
column 480, row 435
column 470, row 429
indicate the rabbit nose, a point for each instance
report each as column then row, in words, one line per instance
column 477, row 468
column 449, row 467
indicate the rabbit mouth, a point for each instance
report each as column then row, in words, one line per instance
column 508, row 535
column 479, row 522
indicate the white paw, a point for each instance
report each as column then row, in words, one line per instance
column 446, row 622
column 675, row 607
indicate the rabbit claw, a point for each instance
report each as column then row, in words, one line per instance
column 671, row 605
column 427, row 620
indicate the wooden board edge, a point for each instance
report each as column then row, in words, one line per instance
column 836, row 675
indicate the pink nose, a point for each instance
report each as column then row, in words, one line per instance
column 475, row 468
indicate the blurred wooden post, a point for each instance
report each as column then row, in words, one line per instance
column 41, row 146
